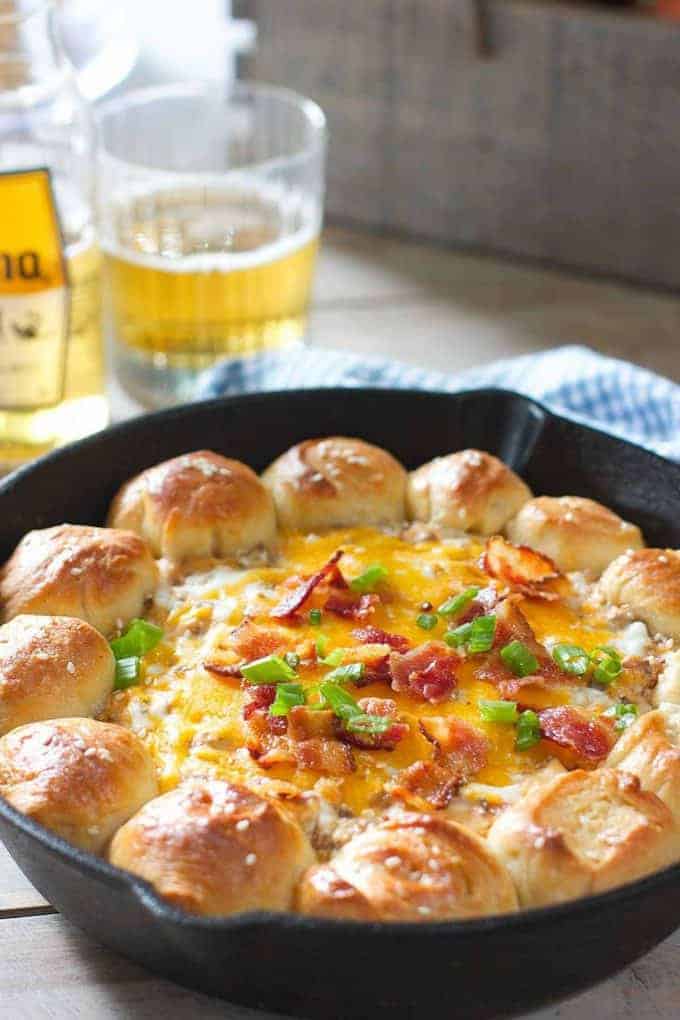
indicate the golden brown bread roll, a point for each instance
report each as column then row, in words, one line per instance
column 51, row 667
column 79, row 777
column 215, row 848
column 199, row 504
column 648, row 583
column 97, row 574
column 334, row 483
column 582, row 833
column 410, row 867
column 667, row 689
column 650, row 750
column 465, row 491
column 577, row 533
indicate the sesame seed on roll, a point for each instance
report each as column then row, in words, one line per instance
column 79, row 777
column 99, row 575
column 410, row 867
column 646, row 582
column 465, row 491
column 577, row 533
column 334, row 483
column 199, row 504
column 215, row 848
column 52, row 667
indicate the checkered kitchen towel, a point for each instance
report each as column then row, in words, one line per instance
column 573, row 381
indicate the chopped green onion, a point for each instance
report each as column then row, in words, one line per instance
column 321, row 644
column 369, row 723
column 315, row 617
column 333, row 658
column 127, row 672
column 528, row 730
column 625, row 714
column 519, row 659
column 272, row 669
column 607, row 663
column 139, row 638
column 370, row 579
column 571, row 658
column 427, row 620
column 293, row 659
column 353, row 672
column 497, row 711
column 287, row 696
column 456, row 603
column 482, row 634
column 456, row 638
column 336, row 697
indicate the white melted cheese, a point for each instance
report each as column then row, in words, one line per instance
column 633, row 639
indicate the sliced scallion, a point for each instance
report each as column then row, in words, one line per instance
column 457, row 603
column 138, row 638
column 607, row 665
column 482, row 634
column 427, row 620
column 528, row 730
column 370, row 578
column 458, row 637
column 571, row 658
column 519, row 658
column 127, row 672
column 497, row 711
column 353, row 672
column 271, row 669
column 287, row 696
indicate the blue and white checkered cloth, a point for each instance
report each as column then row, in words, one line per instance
column 573, row 381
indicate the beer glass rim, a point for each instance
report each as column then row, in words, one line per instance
column 309, row 109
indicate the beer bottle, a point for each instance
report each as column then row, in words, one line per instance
column 51, row 358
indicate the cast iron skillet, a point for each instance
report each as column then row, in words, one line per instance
column 475, row 969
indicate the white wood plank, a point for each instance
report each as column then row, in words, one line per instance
column 48, row 969
column 16, row 892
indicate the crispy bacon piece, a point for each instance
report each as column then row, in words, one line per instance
column 293, row 601
column 463, row 748
column 226, row 671
column 344, row 603
column 305, row 723
column 376, row 636
column 428, row 671
column 329, row 756
column 588, row 741
column 386, row 741
column 519, row 566
column 426, row 784
column 376, row 661
column 512, row 625
column 256, row 711
column 253, row 641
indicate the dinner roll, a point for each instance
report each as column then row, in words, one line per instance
column 648, row 583
column 577, row 533
column 410, row 867
column 334, row 483
column 79, row 777
column 465, row 491
column 199, row 504
column 97, row 574
column 650, row 750
column 50, row 667
column 215, row 848
column 582, row 833
column 668, row 685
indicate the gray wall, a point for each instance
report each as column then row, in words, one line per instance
column 563, row 145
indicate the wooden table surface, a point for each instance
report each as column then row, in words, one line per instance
column 424, row 305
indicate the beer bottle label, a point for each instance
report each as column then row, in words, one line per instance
column 34, row 294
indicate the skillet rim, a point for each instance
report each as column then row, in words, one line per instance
column 143, row 891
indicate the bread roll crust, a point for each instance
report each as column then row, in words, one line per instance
column 336, row 482
column 199, row 504
column 650, row 750
column 79, row 777
column 465, row 491
column 99, row 575
column 215, row 848
column 577, row 533
column 583, row 833
column 411, row 867
column 647, row 582
column 51, row 667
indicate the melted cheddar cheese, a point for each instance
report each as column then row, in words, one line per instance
column 192, row 719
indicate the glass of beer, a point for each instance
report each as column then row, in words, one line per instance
column 210, row 204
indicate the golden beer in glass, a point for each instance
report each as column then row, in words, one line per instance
column 212, row 255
